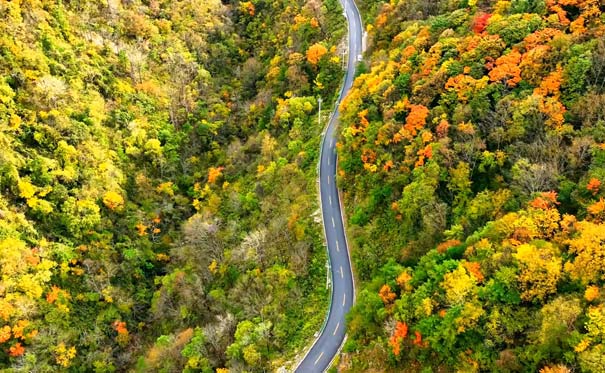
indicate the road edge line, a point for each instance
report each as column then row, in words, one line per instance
column 341, row 205
column 318, row 183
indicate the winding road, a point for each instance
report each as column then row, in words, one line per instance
column 332, row 335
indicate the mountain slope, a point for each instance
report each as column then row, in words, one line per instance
column 471, row 161
column 157, row 182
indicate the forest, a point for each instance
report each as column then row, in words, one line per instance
column 158, row 195
column 472, row 162
column 158, row 206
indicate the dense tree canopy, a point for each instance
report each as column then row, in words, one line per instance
column 157, row 181
column 471, row 158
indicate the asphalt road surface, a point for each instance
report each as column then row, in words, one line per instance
column 332, row 336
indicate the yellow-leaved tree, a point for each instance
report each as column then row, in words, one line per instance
column 459, row 286
column 540, row 270
column 589, row 263
column 113, row 200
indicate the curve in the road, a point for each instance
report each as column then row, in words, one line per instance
column 332, row 336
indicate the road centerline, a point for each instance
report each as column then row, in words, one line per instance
column 325, row 347
column 319, row 357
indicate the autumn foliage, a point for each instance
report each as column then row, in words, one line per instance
column 16, row 350
column 5, row 333
column 130, row 136
column 416, row 119
column 248, row 7
column 113, row 200
column 474, row 268
column 214, row 173
column 120, row 327
column 593, row 185
column 386, row 294
column 399, row 335
column 591, row 293
column 315, row 53
column 507, row 69
column 597, row 209
column 480, row 22
column 545, row 200
column 442, row 247
column 477, row 187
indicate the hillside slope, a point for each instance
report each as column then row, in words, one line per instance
column 472, row 161
column 157, row 182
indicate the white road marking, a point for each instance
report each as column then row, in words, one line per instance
column 333, row 225
column 353, row 19
column 342, row 274
column 330, row 197
column 344, row 299
column 319, row 357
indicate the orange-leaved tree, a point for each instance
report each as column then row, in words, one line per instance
column 401, row 331
column 507, row 69
column 386, row 294
column 593, row 185
column 480, row 22
column 315, row 53
column 416, row 118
